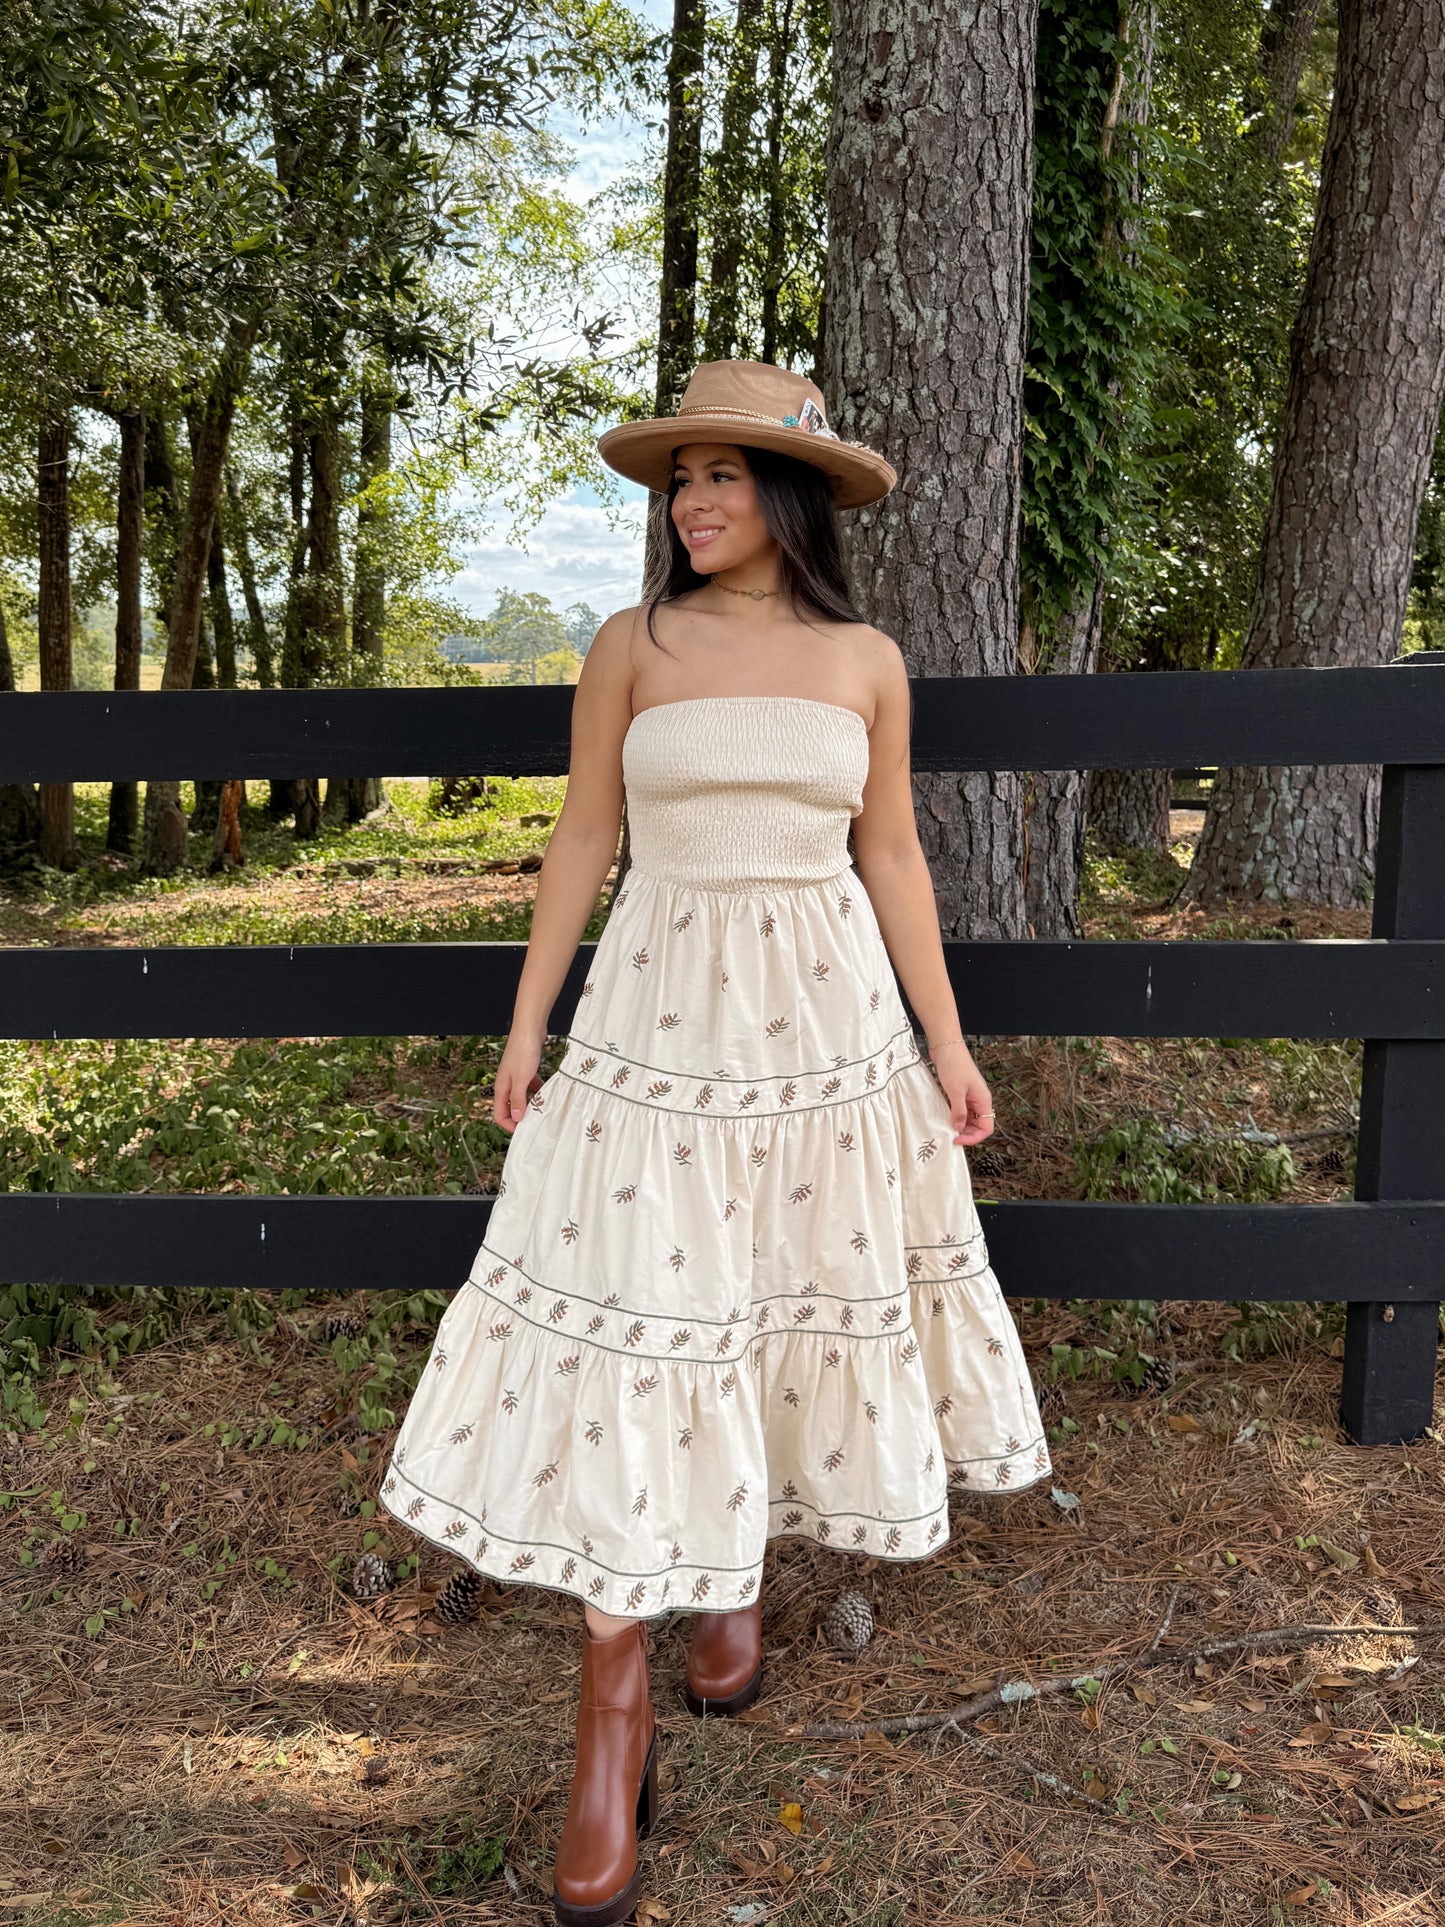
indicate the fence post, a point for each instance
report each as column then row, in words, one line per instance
column 1387, row 1396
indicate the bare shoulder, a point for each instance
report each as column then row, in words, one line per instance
column 878, row 667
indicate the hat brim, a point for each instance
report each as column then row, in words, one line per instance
column 642, row 451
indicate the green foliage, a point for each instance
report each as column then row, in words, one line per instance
column 1143, row 1159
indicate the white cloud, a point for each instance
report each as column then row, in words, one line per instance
column 570, row 555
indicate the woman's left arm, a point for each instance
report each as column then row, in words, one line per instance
column 894, row 872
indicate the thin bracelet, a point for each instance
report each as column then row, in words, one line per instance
column 942, row 1041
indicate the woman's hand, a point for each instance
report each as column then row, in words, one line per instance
column 517, row 1078
column 969, row 1101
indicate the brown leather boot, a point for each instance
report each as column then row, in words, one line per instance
column 725, row 1661
column 595, row 1878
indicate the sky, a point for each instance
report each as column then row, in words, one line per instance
column 572, row 554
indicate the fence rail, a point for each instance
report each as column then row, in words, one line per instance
column 1383, row 1256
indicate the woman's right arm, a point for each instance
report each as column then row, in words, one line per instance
column 580, row 852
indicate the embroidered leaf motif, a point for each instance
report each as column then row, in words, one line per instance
column 935, row 1529
column 860, row 1241
column 871, row 1411
column 679, row 1337
column 569, row 1566
column 595, row 1590
column 567, row 1366
column 682, row 1154
column 788, row 1092
column 456, row 1529
column 790, row 1490
column 674, row 1552
column 891, row 1316
column 636, row 1596
column 995, row 1347
column 439, row 1358
column 702, row 1587
column 799, row 1192
column 728, row 1384
column 845, row 1141
column 569, row 1232
column 768, row 924
column 747, row 1099
column 943, row 1406
column 926, row 1150
column 776, row 1027
column 684, row 1438
column 892, row 1540
column 522, row 1562
column 639, row 958
column 510, row 1401
column 704, row 1097
column 588, row 1064
column 833, row 1085
column 659, row 1087
column 639, row 1504
column 499, row 1331
column 845, row 1318
column 860, row 1533
column 803, row 1314
column 620, row 1076
column 586, row 1545
column 625, row 1194
column 870, row 1076
column 724, row 1345
column 642, row 1386
column 937, row 1307
column 669, row 1020
column 681, row 923
column 746, row 1588
column 588, row 988
column 915, row 1263
column 820, row 971
column 909, row 1352
column 459, row 1436
column 791, row 1519
column 593, row 1433
column 593, row 1131
column 929, row 1461
column 810, row 1290
column 416, row 1508
column 823, row 1529
column 737, row 1498
column 546, row 1475
column 612, row 1299
column 677, row 1258
column 833, row 1357
column 633, row 1334
column 845, row 904
column 833, row 1459
column 495, row 1276
column 595, row 1324
column 765, row 1312
column 558, row 1312
column 873, row 997
column 790, row 1397
column 758, row 1155
column 524, row 1296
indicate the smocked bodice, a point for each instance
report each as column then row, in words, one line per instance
column 743, row 792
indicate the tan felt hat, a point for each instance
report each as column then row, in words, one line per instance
column 751, row 404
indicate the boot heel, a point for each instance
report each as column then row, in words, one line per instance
column 647, row 1792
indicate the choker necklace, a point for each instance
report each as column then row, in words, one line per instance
column 758, row 595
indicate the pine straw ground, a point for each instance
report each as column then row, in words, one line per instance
column 203, row 1725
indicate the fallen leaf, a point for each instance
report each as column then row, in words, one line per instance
column 1414, row 1802
column 1332, row 1682
column 292, row 1856
column 1301, row 1896
column 1315, row 1734
column 1182, row 1422
column 791, row 1815
column 652, row 1910
column 1145, row 1695
column 1346, row 1561
column 1373, row 1568
column 1089, row 1716
column 825, row 1865
column 1196, row 1706
column 1255, row 1706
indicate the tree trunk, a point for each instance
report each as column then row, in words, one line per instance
column 1284, row 43
column 780, row 47
column 1367, row 371
column 57, row 800
column 934, row 111
column 165, row 822
column 258, row 637
column 1056, row 804
column 129, row 535
column 1129, row 809
column 368, row 595
column 731, row 167
column 19, row 806
column 223, row 622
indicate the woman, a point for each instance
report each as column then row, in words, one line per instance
column 733, row 1286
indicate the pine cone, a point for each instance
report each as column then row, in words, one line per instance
column 1052, row 1398
column 372, row 1575
column 62, row 1558
column 1159, row 1374
column 315, row 1407
column 990, row 1164
column 343, row 1324
column 1332, row 1160
column 459, row 1598
column 849, row 1624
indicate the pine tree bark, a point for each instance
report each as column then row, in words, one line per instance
column 1366, row 378
column 1285, row 39
column 124, row 819
column 930, row 171
column 1129, row 809
column 57, row 800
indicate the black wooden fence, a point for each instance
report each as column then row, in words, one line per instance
column 1382, row 1255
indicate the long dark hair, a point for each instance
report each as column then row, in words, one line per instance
column 796, row 500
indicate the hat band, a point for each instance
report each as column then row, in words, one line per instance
column 751, row 415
